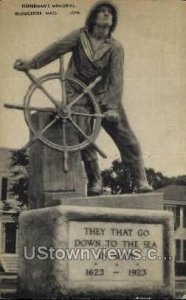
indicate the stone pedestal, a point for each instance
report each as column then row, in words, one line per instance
column 47, row 180
column 152, row 201
column 96, row 270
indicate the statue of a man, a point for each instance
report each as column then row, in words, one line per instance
column 96, row 53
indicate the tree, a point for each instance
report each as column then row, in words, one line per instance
column 19, row 167
column 181, row 180
column 117, row 178
column 157, row 179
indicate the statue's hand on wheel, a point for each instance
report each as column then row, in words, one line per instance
column 112, row 116
column 22, row 65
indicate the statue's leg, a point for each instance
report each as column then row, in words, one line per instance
column 90, row 159
column 89, row 155
column 130, row 150
column 94, row 177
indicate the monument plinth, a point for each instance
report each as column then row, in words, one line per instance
column 90, row 252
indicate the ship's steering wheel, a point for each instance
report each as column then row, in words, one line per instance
column 62, row 111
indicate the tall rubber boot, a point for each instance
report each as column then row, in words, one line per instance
column 139, row 177
column 95, row 187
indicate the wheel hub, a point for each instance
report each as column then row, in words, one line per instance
column 64, row 112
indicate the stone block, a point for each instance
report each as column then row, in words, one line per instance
column 48, row 235
column 153, row 201
column 47, row 179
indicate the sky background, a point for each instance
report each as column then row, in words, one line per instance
column 153, row 35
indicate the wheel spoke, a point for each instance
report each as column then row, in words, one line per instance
column 22, row 107
column 62, row 79
column 43, row 109
column 65, row 153
column 64, row 133
column 40, row 86
column 38, row 135
column 76, row 99
column 86, row 114
column 89, row 139
column 80, row 130
column 85, row 91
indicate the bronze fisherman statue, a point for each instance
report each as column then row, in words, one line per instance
column 94, row 52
